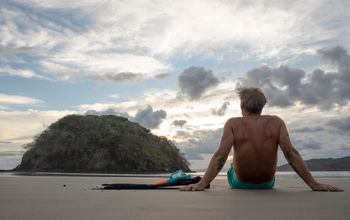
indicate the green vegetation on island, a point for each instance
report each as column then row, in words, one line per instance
column 105, row 143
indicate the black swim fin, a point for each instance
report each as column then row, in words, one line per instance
column 128, row 186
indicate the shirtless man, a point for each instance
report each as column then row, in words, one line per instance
column 255, row 139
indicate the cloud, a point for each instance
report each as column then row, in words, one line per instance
column 337, row 55
column 18, row 100
column 71, row 43
column 109, row 111
column 115, row 96
column 149, row 118
column 21, row 126
column 162, row 76
column 25, row 73
column 340, row 125
column 12, row 49
column 3, row 107
column 313, row 145
column 195, row 80
column 270, row 80
column 9, row 159
column 145, row 117
column 11, row 153
column 308, row 129
column 192, row 154
column 306, row 144
column 340, row 57
column 92, row 38
column 321, row 124
column 128, row 106
column 285, row 86
column 196, row 142
column 118, row 77
column 179, row 123
column 222, row 110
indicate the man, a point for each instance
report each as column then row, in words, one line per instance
column 255, row 139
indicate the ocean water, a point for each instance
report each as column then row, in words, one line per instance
column 221, row 175
column 316, row 174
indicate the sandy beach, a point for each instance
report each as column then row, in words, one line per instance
column 60, row 197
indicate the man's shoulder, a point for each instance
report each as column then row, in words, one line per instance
column 273, row 118
column 235, row 119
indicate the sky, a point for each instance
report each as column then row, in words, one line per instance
column 174, row 67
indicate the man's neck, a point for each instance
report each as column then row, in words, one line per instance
column 245, row 114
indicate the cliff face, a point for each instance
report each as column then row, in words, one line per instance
column 100, row 144
column 329, row 164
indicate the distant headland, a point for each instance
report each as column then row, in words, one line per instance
column 325, row 164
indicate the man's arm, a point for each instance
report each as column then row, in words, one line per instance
column 297, row 163
column 217, row 161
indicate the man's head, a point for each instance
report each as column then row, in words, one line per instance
column 252, row 99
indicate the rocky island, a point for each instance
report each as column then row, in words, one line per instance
column 108, row 144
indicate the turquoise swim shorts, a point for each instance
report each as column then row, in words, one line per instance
column 236, row 184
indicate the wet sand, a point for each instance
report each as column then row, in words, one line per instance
column 50, row 197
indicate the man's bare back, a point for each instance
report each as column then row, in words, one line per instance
column 255, row 147
column 255, row 139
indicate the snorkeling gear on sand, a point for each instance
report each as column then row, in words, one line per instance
column 178, row 175
column 179, row 178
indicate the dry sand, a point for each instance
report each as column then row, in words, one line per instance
column 46, row 197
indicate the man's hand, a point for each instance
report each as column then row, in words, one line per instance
column 193, row 187
column 325, row 187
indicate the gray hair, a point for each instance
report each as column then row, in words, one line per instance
column 253, row 99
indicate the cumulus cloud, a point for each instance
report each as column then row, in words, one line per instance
column 179, row 123
column 109, row 111
column 340, row 57
column 195, row 80
column 222, row 110
column 146, row 117
column 285, row 86
column 149, row 118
